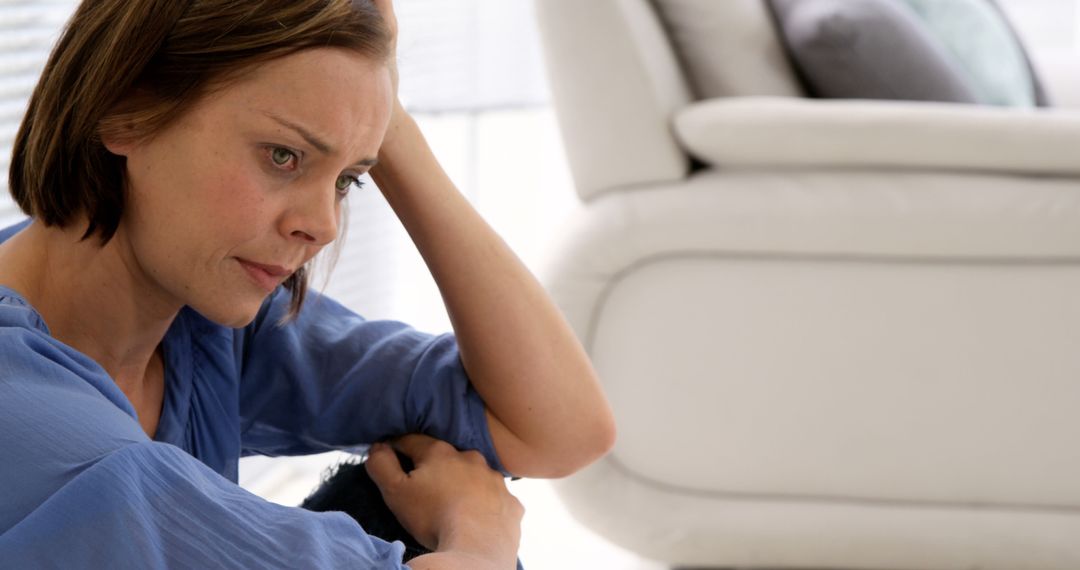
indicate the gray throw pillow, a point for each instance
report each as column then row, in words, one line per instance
column 979, row 35
column 729, row 48
column 868, row 49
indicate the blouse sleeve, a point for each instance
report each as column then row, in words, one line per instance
column 333, row 380
column 85, row 488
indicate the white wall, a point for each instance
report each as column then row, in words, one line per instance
column 1050, row 25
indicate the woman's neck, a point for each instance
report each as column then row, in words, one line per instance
column 94, row 299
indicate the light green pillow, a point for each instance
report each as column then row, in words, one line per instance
column 978, row 35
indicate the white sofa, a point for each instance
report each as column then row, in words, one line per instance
column 848, row 338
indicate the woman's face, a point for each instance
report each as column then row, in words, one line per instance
column 252, row 176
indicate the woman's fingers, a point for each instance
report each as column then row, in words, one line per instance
column 383, row 464
column 452, row 499
column 419, row 447
column 383, row 467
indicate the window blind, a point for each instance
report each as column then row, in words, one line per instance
column 28, row 29
column 469, row 55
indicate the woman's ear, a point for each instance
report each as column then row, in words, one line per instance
column 117, row 134
column 120, row 146
column 117, row 131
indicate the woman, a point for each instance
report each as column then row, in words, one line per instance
column 182, row 162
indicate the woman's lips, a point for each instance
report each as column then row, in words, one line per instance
column 266, row 276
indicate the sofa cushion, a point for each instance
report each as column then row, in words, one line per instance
column 868, row 49
column 784, row 132
column 977, row 33
column 729, row 48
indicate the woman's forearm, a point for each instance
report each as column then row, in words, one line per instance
column 547, row 413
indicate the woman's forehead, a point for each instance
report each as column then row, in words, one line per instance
column 321, row 77
column 331, row 94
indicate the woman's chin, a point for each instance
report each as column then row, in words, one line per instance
column 236, row 315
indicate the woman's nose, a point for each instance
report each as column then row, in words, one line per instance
column 312, row 216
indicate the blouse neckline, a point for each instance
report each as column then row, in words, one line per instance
column 176, row 346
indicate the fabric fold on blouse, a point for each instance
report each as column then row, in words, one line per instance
column 84, row 487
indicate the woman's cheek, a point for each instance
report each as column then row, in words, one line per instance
column 240, row 197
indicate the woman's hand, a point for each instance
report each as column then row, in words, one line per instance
column 451, row 502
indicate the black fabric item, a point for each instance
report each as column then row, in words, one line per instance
column 349, row 489
column 867, row 49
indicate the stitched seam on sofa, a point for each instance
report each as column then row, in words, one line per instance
column 837, row 499
column 839, row 258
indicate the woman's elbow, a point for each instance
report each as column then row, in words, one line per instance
column 593, row 442
column 604, row 436
column 557, row 457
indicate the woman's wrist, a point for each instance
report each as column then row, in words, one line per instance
column 456, row 561
column 498, row 546
column 471, row 549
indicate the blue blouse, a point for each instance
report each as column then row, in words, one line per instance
column 81, row 485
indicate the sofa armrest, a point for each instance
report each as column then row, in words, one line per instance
column 779, row 132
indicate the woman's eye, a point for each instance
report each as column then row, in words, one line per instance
column 282, row 156
column 345, row 183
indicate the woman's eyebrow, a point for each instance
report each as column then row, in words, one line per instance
column 319, row 144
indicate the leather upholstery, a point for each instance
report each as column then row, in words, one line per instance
column 846, row 340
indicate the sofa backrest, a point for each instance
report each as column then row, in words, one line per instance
column 619, row 69
column 615, row 83
column 729, row 48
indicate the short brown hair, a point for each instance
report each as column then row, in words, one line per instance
column 134, row 66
